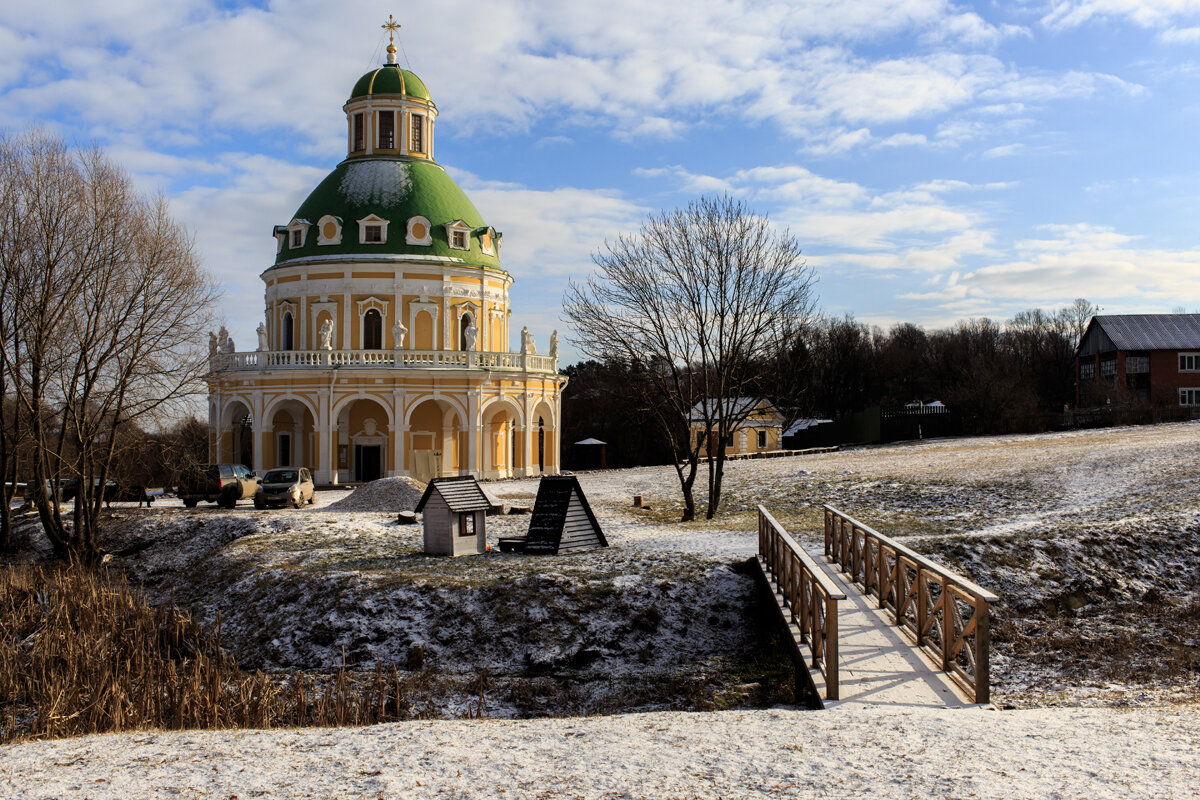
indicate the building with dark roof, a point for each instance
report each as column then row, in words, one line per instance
column 1151, row 359
column 384, row 350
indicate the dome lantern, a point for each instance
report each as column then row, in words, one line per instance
column 390, row 111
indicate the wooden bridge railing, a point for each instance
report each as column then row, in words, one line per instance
column 947, row 614
column 809, row 594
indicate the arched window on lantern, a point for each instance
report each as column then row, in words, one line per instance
column 372, row 330
column 287, row 333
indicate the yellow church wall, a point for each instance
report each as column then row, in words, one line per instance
column 423, row 338
column 372, row 275
column 326, row 276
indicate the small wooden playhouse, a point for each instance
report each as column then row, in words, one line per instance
column 454, row 517
column 562, row 520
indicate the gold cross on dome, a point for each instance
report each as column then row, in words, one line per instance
column 391, row 26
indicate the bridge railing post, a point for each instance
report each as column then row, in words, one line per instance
column 832, row 690
column 983, row 646
column 922, row 606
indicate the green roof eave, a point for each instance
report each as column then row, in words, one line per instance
column 394, row 189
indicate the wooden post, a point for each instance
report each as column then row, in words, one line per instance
column 805, row 588
column 946, row 601
column 831, row 649
column 922, row 606
column 983, row 646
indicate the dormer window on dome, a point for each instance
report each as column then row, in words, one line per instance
column 458, row 235
column 297, row 233
column 372, row 229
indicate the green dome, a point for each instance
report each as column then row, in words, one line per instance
column 390, row 79
column 395, row 189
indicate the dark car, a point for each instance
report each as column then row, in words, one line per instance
column 223, row 484
column 285, row 486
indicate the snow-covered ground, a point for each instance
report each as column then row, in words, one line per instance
column 842, row 753
column 1091, row 538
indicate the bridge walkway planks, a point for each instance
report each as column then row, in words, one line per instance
column 878, row 663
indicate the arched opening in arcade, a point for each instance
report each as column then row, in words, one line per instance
column 435, row 443
column 501, row 429
column 545, row 439
column 288, row 436
column 236, row 439
column 363, row 441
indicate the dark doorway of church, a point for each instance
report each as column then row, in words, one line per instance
column 366, row 462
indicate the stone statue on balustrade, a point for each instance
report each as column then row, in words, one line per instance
column 554, row 344
column 261, row 330
column 213, row 344
column 398, row 334
column 471, row 335
column 327, row 335
column 527, row 346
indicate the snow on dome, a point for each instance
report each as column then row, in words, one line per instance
column 375, row 183
column 386, row 495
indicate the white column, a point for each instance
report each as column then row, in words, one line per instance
column 325, row 473
column 399, row 468
column 474, row 467
column 345, row 322
column 530, row 434
column 257, row 437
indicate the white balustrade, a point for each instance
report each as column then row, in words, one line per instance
column 383, row 359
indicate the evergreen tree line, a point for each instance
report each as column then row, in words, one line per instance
column 998, row 377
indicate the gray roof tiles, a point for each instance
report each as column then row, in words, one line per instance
column 1152, row 331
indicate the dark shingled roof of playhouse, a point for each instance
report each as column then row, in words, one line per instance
column 462, row 494
column 550, row 513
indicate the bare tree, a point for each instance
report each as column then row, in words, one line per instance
column 107, row 307
column 705, row 299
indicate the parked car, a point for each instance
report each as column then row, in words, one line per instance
column 223, row 484
column 286, row 485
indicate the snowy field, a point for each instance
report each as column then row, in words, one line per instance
column 842, row 753
column 1091, row 538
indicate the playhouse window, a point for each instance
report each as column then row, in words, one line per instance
column 466, row 524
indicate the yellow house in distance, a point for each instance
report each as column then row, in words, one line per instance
column 761, row 432
column 384, row 348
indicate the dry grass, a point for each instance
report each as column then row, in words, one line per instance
column 82, row 652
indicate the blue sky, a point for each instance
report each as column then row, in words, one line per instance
column 937, row 160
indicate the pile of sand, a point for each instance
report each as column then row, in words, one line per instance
column 386, row 494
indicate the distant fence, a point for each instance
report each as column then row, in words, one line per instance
column 948, row 615
column 809, row 595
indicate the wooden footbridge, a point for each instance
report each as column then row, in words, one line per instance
column 874, row 622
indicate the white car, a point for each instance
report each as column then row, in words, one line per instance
column 285, row 486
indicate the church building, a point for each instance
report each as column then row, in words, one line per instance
column 385, row 346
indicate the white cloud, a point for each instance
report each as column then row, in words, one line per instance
column 1146, row 13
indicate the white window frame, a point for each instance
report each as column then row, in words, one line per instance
column 1189, row 396
column 411, row 120
column 372, row 303
column 396, row 140
column 409, row 238
column 367, row 221
column 1189, row 362
column 322, row 239
column 283, row 309
column 458, row 226
column 297, row 226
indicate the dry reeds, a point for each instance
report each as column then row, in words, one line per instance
column 81, row 652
